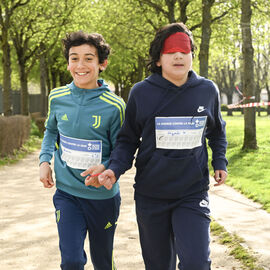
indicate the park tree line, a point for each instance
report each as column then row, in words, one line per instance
column 232, row 38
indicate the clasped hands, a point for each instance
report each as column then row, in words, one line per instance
column 101, row 177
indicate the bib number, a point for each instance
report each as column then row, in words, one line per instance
column 79, row 153
column 179, row 132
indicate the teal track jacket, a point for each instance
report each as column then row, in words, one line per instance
column 85, row 116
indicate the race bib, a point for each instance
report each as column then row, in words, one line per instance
column 179, row 132
column 79, row 153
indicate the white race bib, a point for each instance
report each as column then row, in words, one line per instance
column 179, row 132
column 79, row 153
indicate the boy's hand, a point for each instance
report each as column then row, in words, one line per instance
column 220, row 177
column 107, row 179
column 45, row 175
column 93, row 181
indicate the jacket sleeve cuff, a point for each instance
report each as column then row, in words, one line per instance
column 105, row 164
column 45, row 158
column 116, row 171
column 220, row 164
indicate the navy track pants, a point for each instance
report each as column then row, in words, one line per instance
column 174, row 227
column 77, row 216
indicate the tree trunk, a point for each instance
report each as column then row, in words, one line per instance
column 125, row 93
column 6, row 74
column 229, row 99
column 171, row 4
column 250, row 141
column 53, row 73
column 183, row 10
column 48, row 83
column 140, row 72
column 258, row 83
column 258, row 97
column 24, row 90
column 206, row 35
column 117, row 90
column 268, row 93
column 43, row 92
column 64, row 78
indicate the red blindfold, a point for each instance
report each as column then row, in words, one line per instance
column 178, row 42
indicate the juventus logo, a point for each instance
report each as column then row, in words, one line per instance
column 97, row 121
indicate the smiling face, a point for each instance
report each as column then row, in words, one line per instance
column 84, row 66
column 175, row 66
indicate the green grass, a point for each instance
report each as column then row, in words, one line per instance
column 235, row 245
column 249, row 170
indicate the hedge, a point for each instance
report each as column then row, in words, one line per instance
column 14, row 131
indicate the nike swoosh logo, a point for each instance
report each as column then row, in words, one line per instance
column 200, row 109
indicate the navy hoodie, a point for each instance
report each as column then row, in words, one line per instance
column 157, row 107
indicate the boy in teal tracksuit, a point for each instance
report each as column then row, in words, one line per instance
column 84, row 117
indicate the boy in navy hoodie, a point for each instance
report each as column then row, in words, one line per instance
column 86, row 116
column 169, row 116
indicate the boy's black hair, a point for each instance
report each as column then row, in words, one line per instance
column 79, row 38
column 157, row 44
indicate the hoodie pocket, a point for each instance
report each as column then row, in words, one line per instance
column 167, row 177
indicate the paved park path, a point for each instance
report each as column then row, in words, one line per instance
column 28, row 236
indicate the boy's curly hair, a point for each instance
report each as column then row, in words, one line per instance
column 94, row 39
